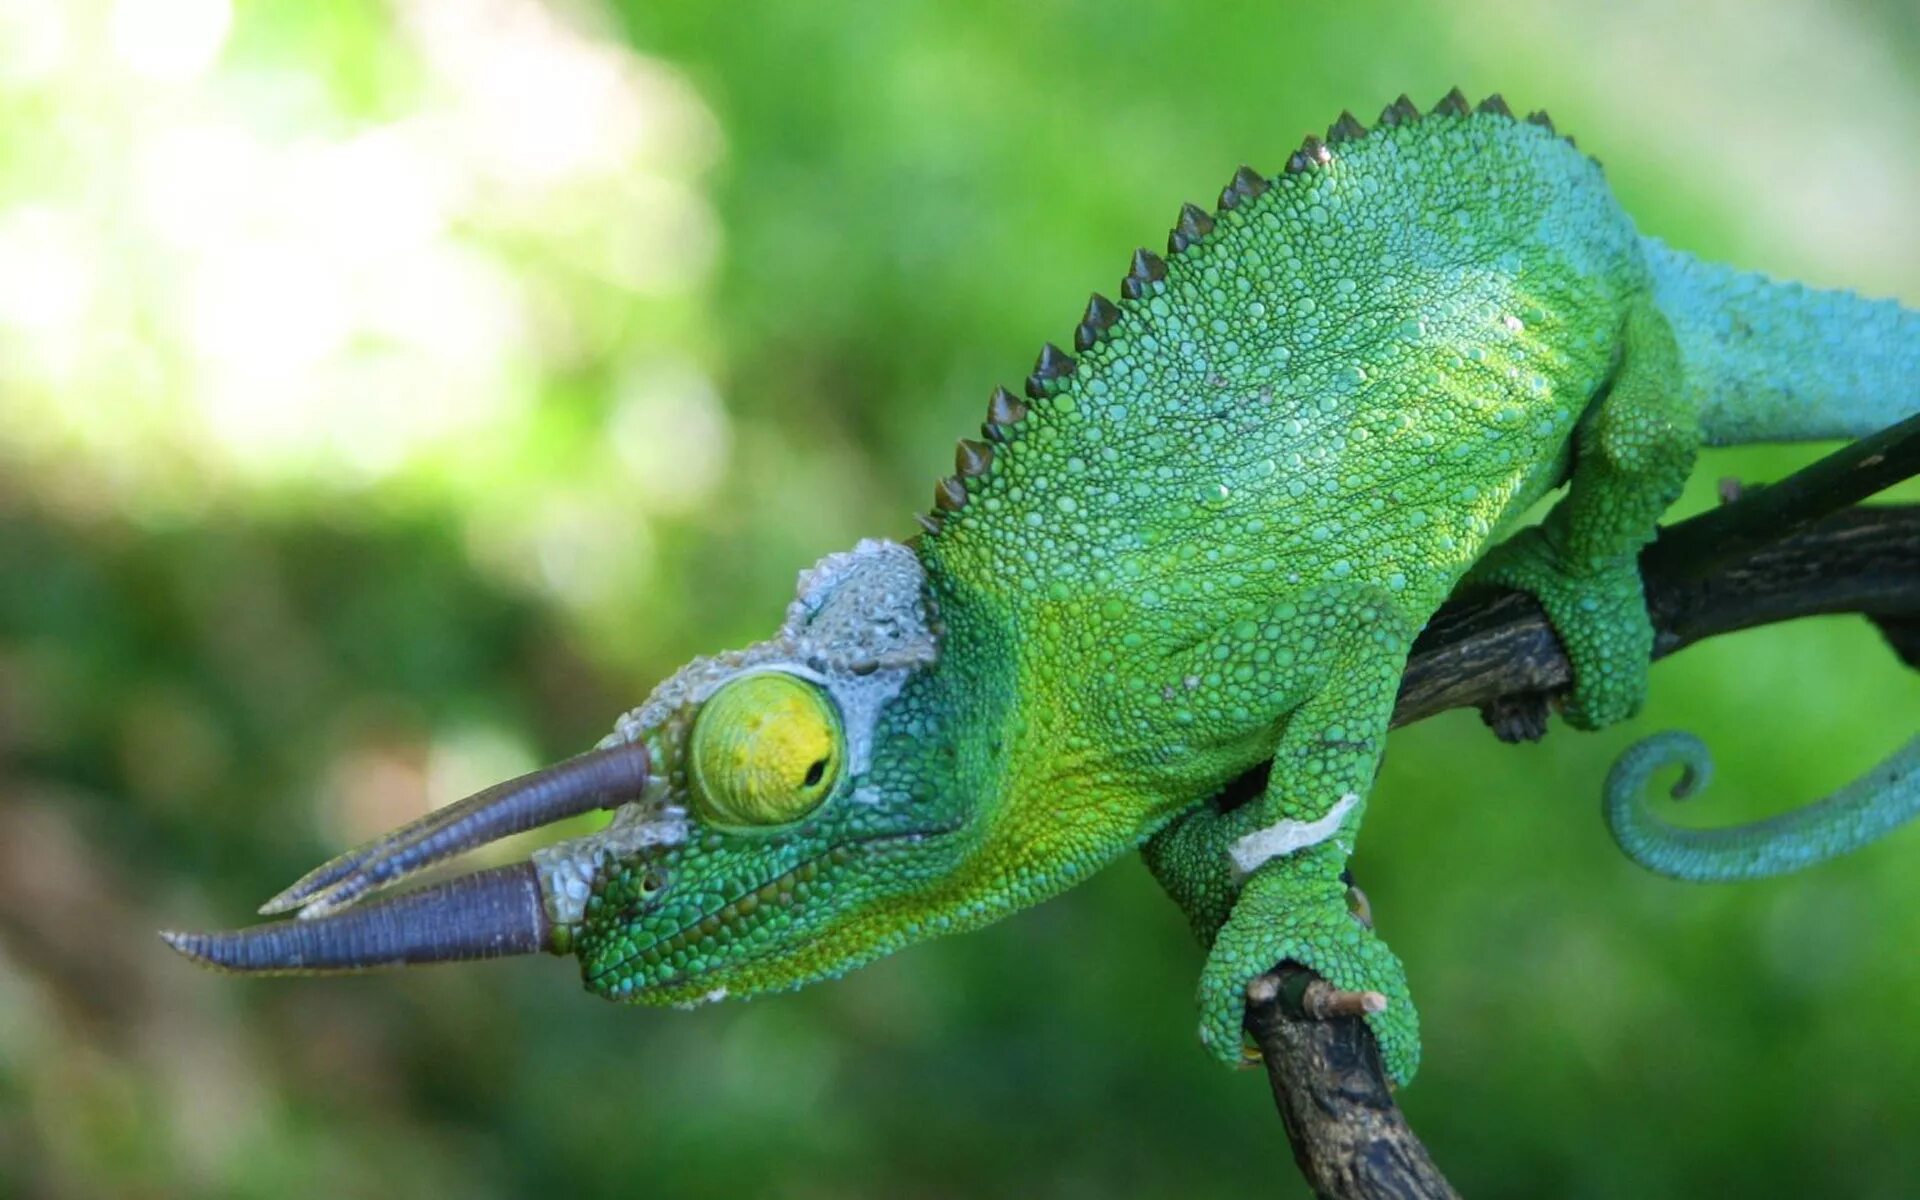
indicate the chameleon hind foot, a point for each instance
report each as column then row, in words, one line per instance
column 1633, row 451
column 1287, row 912
column 1599, row 612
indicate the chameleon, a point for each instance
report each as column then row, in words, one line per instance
column 1203, row 541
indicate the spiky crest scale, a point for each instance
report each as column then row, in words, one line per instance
column 1100, row 316
column 1195, row 223
column 1004, row 411
column 1246, row 184
column 950, row 495
column 1148, row 270
column 1312, row 153
column 1346, row 129
column 971, row 458
column 1052, row 365
column 1400, row 112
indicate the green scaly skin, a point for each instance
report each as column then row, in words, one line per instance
column 1210, row 541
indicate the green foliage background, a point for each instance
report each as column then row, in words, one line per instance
column 226, row 652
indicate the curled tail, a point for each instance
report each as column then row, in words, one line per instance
column 1863, row 811
column 1767, row 361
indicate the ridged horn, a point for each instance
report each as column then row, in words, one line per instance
column 486, row 914
column 597, row 779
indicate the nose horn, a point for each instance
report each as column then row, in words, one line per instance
column 485, row 914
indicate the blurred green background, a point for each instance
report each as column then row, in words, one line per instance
column 391, row 392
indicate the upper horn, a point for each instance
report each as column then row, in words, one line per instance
column 597, row 779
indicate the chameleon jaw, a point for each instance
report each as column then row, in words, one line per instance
column 661, row 965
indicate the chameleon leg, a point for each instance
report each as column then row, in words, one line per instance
column 1632, row 453
column 1263, row 883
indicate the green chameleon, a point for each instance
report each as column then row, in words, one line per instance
column 1205, row 543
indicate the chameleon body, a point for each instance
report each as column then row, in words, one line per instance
column 1205, row 542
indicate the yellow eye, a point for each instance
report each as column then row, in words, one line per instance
column 766, row 750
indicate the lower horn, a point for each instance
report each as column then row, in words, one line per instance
column 485, row 914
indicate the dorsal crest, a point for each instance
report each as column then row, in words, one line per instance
column 1148, row 271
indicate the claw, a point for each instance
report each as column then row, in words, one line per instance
column 598, row 779
column 485, row 914
column 1306, row 996
column 1359, row 906
column 1323, row 1002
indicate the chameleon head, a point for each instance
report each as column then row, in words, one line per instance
column 766, row 824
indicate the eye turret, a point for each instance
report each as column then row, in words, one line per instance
column 766, row 750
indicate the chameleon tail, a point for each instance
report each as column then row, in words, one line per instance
column 1778, row 362
column 1861, row 812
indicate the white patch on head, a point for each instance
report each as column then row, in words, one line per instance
column 566, row 869
column 1288, row 836
column 859, row 626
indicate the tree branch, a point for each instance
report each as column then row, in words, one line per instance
column 1349, row 1138
column 1790, row 549
column 1497, row 647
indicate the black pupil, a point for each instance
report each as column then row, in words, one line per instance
column 816, row 772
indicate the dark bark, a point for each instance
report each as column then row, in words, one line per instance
column 1349, row 1138
column 1499, row 651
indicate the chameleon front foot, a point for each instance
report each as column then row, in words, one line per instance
column 1316, row 1000
column 1281, row 917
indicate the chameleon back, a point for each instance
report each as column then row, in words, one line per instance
column 1288, row 387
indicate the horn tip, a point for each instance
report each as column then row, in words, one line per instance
column 308, row 890
column 283, row 902
column 201, row 948
column 306, row 902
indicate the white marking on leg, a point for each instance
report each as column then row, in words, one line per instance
column 1287, row 836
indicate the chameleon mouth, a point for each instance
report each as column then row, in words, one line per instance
column 722, row 923
column 652, row 967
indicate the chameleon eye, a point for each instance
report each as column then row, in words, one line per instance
column 766, row 750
